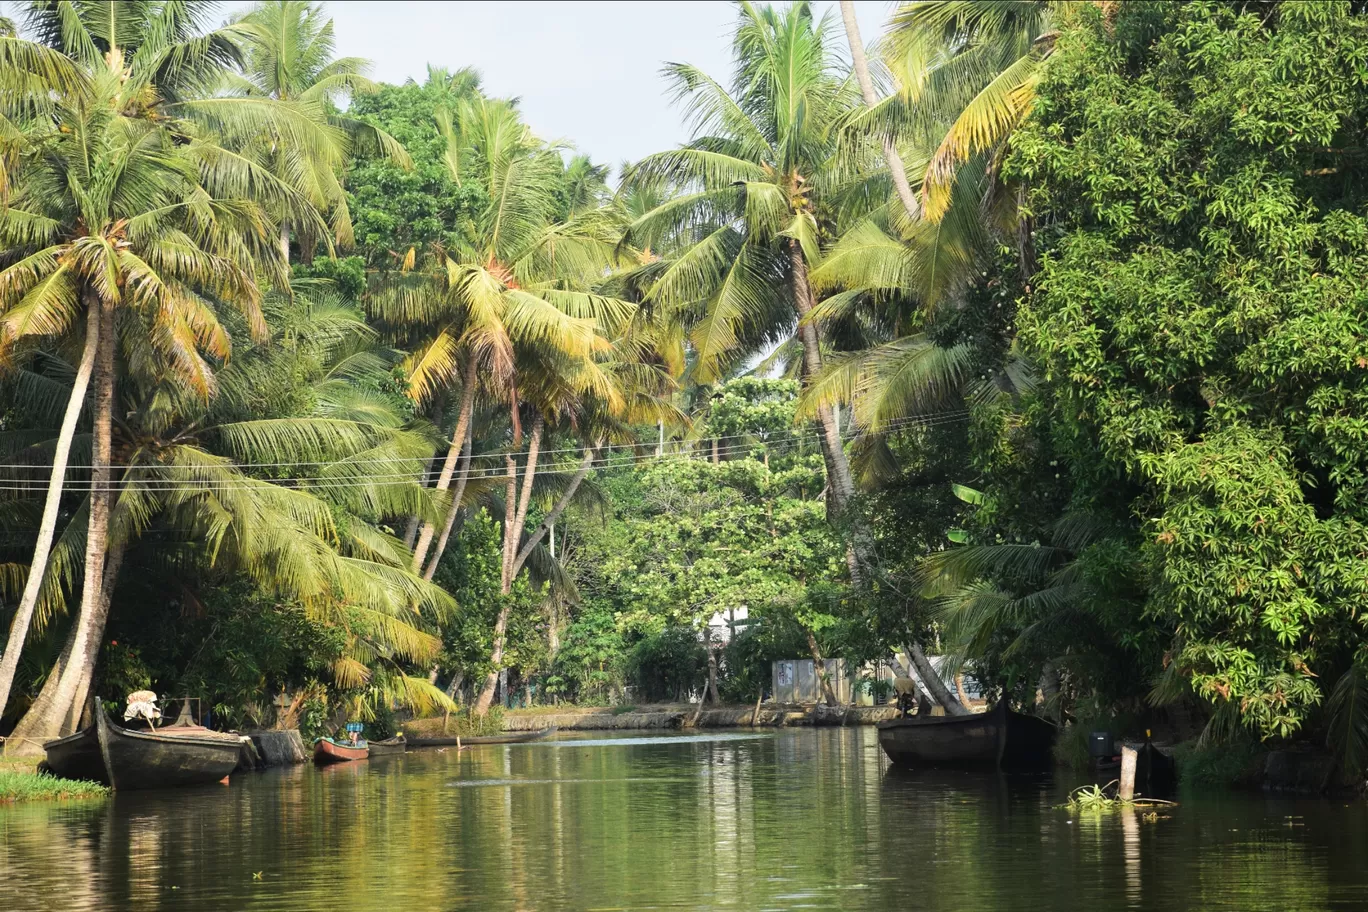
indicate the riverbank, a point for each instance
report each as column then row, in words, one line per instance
column 663, row 716
column 20, row 780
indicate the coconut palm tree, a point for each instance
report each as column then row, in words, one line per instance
column 974, row 65
column 118, row 207
column 592, row 401
column 758, row 184
column 187, row 478
column 517, row 277
column 288, row 50
column 860, row 63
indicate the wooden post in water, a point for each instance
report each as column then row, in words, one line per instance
column 755, row 716
column 1128, row 758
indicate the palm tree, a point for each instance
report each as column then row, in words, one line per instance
column 1038, row 602
column 592, row 400
column 288, row 49
column 517, row 277
column 314, row 539
column 118, row 206
column 860, row 63
column 758, row 186
column 974, row 65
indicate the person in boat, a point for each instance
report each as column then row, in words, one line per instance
column 142, row 706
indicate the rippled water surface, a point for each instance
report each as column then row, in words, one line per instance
column 798, row 819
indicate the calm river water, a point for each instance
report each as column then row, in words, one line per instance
column 795, row 820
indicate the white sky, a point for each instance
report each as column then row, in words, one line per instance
column 587, row 72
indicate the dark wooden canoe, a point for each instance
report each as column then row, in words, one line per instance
column 1156, row 773
column 326, row 751
column 997, row 738
column 164, row 758
column 78, row 756
column 395, row 745
column 506, row 738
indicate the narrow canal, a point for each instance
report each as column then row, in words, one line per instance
column 797, row 819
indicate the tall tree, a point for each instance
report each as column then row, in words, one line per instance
column 860, row 62
column 123, row 207
column 288, row 48
column 974, row 65
column 515, row 276
column 756, row 189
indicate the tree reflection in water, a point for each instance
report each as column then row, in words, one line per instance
column 800, row 817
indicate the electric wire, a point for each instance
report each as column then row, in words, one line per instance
column 412, row 475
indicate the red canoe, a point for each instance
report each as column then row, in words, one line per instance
column 326, row 750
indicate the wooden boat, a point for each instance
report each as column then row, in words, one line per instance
column 506, row 738
column 77, row 756
column 1156, row 773
column 395, row 745
column 997, row 738
column 326, row 751
column 172, row 756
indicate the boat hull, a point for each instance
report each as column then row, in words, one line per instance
column 998, row 738
column 509, row 738
column 78, row 756
column 158, row 759
column 388, row 747
column 328, row 752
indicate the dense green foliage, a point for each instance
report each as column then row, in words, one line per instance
column 1199, row 323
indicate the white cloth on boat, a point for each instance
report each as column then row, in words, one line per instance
column 142, row 704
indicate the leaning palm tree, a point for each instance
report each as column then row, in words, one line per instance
column 187, row 478
column 516, row 277
column 122, row 216
column 288, row 57
column 860, row 63
column 591, row 401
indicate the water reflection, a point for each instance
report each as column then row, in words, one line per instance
column 797, row 819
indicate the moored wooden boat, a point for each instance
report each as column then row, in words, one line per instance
column 1156, row 772
column 326, row 751
column 164, row 758
column 997, row 738
column 505, row 738
column 77, row 756
column 396, row 745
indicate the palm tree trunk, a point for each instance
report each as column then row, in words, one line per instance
column 819, row 668
column 1049, row 689
column 510, row 517
column 857, row 57
column 49, row 724
column 47, row 526
column 933, row 683
column 462, row 478
column 486, row 697
column 550, row 519
column 411, row 531
column 285, row 241
column 113, row 563
column 838, row 467
column 453, row 454
column 552, row 631
column 491, row 681
column 712, row 671
column 525, row 500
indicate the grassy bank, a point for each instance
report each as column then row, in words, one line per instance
column 20, row 780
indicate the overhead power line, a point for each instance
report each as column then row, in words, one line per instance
column 410, row 476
